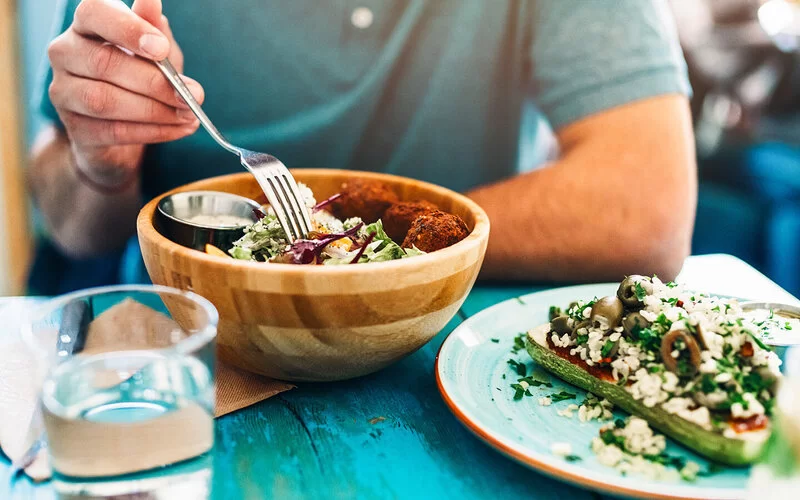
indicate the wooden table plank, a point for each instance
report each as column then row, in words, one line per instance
column 387, row 435
column 488, row 295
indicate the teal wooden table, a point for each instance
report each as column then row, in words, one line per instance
column 390, row 435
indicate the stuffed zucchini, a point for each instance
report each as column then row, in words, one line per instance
column 692, row 365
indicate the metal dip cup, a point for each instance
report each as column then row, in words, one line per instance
column 187, row 218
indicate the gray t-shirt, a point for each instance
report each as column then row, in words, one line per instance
column 448, row 91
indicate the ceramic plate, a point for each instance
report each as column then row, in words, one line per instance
column 474, row 378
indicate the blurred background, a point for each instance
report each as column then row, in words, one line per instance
column 744, row 63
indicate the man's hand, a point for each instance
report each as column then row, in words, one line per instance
column 620, row 200
column 111, row 99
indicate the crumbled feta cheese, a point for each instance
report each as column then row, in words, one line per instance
column 723, row 378
column 699, row 416
column 671, row 381
column 676, row 405
column 689, row 471
column 595, row 408
column 539, row 334
column 561, row 449
column 545, row 401
column 640, row 439
column 653, row 388
column 627, row 461
column 709, row 366
column 568, row 411
column 754, row 407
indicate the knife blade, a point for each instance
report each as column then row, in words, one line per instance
column 75, row 320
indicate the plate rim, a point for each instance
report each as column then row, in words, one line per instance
column 536, row 460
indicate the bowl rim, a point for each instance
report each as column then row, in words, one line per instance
column 478, row 236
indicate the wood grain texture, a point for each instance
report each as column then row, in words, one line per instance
column 385, row 435
column 15, row 245
column 317, row 323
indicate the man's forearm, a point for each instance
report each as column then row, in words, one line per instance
column 81, row 220
column 621, row 200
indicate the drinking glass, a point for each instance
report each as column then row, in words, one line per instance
column 127, row 377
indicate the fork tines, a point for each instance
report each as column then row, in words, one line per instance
column 283, row 194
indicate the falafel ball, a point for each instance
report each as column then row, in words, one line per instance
column 398, row 219
column 436, row 230
column 365, row 198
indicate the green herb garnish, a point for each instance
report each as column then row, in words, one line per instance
column 607, row 348
column 519, row 342
column 640, row 292
column 535, row 382
column 562, row 396
column 520, row 368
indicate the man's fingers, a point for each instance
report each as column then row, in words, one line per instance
column 101, row 61
column 92, row 132
column 114, row 22
column 149, row 10
column 98, row 99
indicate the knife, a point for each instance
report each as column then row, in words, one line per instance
column 75, row 320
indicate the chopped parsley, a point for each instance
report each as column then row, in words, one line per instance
column 520, row 391
column 562, row 396
column 757, row 340
column 607, row 348
column 787, row 326
column 707, row 383
column 573, row 458
column 519, row 342
column 495, row 340
column 610, row 437
column 520, row 368
column 640, row 292
column 554, row 312
column 648, row 338
column 667, row 460
column 581, row 339
column 535, row 382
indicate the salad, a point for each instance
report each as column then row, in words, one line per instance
column 333, row 241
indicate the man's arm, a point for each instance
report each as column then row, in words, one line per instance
column 82, row 221
column 620, row 200
column 85, row 177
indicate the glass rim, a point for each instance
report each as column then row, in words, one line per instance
column 190, row 344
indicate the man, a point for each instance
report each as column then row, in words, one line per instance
column 433, row 89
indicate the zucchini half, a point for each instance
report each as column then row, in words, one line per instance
column 730, row 451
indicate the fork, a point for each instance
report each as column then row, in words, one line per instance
column 272, row 175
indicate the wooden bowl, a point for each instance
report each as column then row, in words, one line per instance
column 321, row 323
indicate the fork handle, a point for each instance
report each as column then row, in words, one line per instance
column 174, row 78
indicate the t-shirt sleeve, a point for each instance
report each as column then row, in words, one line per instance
column 65, row 11
column 593, row 55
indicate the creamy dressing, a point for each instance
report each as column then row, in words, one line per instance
column 785, row 328
column 219, row 220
